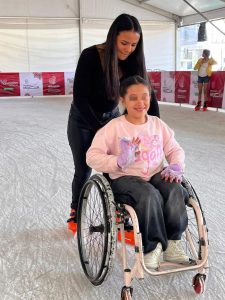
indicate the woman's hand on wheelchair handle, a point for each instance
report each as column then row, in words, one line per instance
column 172, row 173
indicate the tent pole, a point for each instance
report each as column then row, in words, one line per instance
column 80, row 27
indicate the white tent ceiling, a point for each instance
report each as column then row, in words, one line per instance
column 34, row 33
column 180, row 8
column 180, row 11
column 167, row 8
column 177, row 11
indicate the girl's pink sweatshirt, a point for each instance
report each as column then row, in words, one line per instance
column 157, row 145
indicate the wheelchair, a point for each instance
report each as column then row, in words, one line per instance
column 101, row 221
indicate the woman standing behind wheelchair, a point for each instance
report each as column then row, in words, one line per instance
column 132, row 149
column 96, row 92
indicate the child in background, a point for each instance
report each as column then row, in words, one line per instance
column 132, row 149
column 204, row 67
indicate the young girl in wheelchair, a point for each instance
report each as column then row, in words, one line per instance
column 133, row 149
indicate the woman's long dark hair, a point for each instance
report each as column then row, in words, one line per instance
column 133, row 65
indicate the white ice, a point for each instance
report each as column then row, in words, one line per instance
column 38, row 256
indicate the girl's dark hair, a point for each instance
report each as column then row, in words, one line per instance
column 134, row 64
column 206, row 52
column 127, row 82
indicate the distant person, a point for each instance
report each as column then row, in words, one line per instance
column 132, row 149
column 96, row 92
column 204, row 67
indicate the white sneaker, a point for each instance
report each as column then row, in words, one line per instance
column 175, row 253
column 152, row 258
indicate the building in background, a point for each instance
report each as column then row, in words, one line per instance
column 189, row 49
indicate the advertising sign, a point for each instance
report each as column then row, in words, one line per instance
column 216, row 89
column 182, row 86
column 9, row 84
column 69, row 77
column 155, row 78
column 31, row 84
column 168, row 86
column 53, row 83
column 194, row 88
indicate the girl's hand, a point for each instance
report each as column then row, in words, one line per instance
column 129, row 150
column 172, row 173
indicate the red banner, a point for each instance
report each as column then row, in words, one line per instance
column 182, row 86
column 169, row 86
column 9, row 84
column 155, row 78
column 216, row 89
column 53, row 83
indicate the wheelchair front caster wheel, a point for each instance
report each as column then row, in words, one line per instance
column 126, row 293
column 199, row 283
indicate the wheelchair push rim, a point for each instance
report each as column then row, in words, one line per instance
column 197, row 233
column 96, row 233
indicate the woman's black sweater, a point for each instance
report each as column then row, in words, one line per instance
column 89, row 95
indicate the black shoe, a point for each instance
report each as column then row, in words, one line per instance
column 198, row 106
column 73, row 216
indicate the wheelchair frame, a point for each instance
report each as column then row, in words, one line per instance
column 100, row 218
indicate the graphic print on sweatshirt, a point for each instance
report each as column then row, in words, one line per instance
column 150, row 153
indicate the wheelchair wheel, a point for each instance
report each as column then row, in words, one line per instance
column 199, row 283
column 195, row 236
column 96, row 228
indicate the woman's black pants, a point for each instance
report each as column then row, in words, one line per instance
column 80, row 138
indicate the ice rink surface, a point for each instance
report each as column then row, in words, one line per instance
column 38, row 255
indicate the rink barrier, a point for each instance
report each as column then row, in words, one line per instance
column 169, row 86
